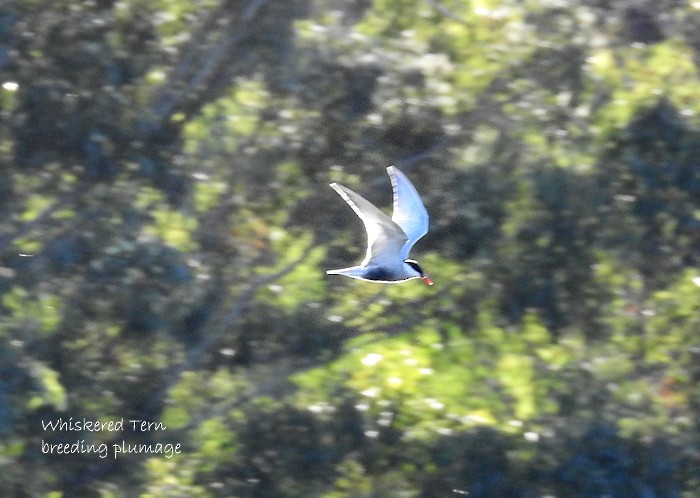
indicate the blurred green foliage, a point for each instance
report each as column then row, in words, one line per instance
column 166, row 224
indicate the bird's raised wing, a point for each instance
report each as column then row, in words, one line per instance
column 409, row 212
column 385, row 239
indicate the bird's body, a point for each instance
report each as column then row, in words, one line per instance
column 389, row 240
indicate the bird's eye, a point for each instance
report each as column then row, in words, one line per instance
column 414, row 264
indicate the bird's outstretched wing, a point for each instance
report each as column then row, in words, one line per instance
column 385, row 239
column 409, row 212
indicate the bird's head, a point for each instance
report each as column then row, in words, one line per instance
column 413, row 264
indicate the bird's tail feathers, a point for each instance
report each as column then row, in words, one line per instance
column 352, row 271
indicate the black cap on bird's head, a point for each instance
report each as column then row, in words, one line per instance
column 414, row 264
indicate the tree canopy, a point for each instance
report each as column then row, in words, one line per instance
column 166, row 226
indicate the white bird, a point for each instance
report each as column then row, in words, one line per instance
column 389, row 240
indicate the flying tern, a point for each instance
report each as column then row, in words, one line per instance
column 389, row 240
